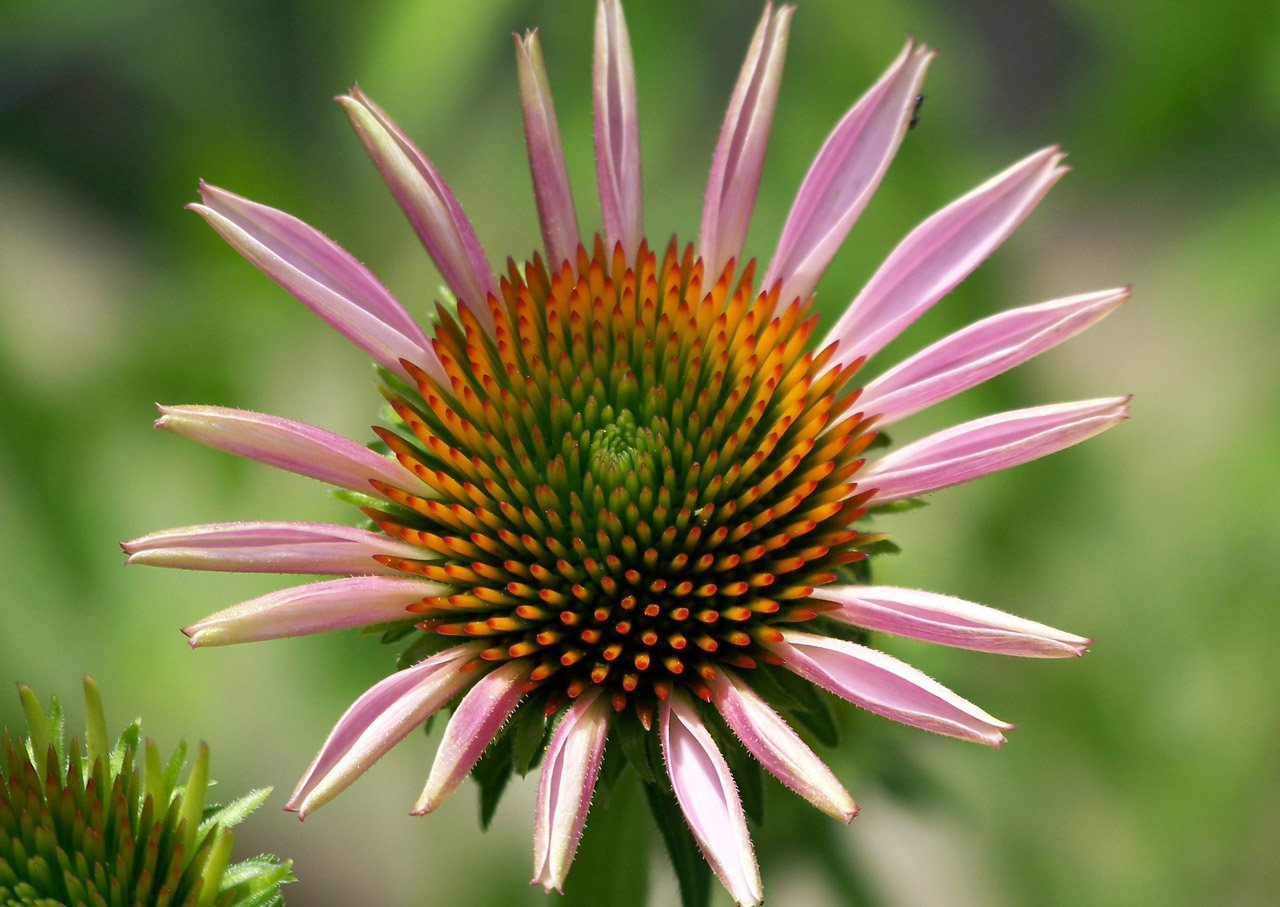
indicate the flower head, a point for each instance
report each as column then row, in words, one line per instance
column 94, row 824
column 628, row 479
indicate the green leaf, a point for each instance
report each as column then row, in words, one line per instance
column 492, row 772
column 128, row 742
column 38, row 731
column 398, row 631
column 814, row 711
column 193, row 793
column 96, row 742
column 633, row 739
column 692, row 871
column 884, row 546
column 234, row 812
column 746, row 772
column 172, row 771
column 880, row 440
column 528, row 732
column 601, row 873
column 423, row 647
column 612, row 767
column 763, row 681
column 900, row 506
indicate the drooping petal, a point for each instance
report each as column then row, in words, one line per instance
column 880, row 683
column 476, row 720
column 980, row 351
column 947, row 621
column 940, row 253
column 332, row 604
column 565, row 786
column 293, row 446
column 739, row 154
column 428, row 203
column 987, row 445
column 845, row 173
column 551, row 188
column 617, row 129
column 778, row 748
column 708, row 797
column 377, row 721
column 270, row 547
column 322, row 275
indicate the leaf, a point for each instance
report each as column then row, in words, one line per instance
column 234, row 812
column 814, row 711
column 692, row 871
column 172, row 771
column 902, row 505
column 633, row 739
column 612, row 767
column 528, row 732
column 600, row 874
column 424, row 646
column 398, row 631
column 492, row 772
column 128, row 742
column 746, row 771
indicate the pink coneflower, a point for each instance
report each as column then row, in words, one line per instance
column 623, row 483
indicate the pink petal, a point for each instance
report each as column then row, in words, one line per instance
column 377, row 721
column 565, row 786
column 708, row 797
column 322, row 275
column 293, row 446
column 270, row 547
column 882, row 684
column 947, row 621
column 845, row 173
column 428, row 203
column 739, row 154
column 332, row 604
column 940, row 253
column 988, row 445
column 546, row 155
column 980, row 351
column 476, row 720
column 778, row 748
column 617, row 130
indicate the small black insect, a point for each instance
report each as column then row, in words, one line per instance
column 915, row 112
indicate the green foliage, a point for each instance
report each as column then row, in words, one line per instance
column 94, row 827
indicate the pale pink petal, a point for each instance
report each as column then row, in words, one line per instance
column 322, row 275
column 947, row 621
column 708, row 797
column 983, row 349
column 293, row 446
column 845, row 173
column 987, row 445
column 739, row 154
column 428, row 203
column 939, row 254
column 476, row 720
column 880, row 683
column 565, row 786
column 270, row 547
column 778, row 748
column 377, row 721
column 332, row 604
column 617, row 129
column 551, row 188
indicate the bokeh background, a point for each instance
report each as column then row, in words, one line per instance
column 1143, row 773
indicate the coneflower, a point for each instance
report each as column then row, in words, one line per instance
column 624, row 480
column 94, row 825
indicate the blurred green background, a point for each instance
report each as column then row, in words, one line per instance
column 1143, row 773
